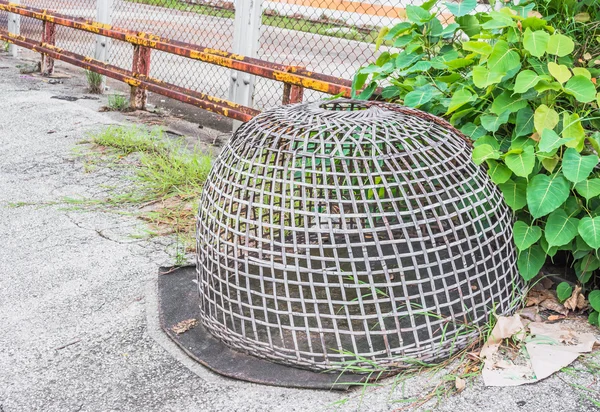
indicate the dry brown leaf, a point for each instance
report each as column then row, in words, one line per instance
column 535, row 297
column 571, row 302
column 553, row 305
column 581, row 302
column 184, row 326
column 531, row 313
column 460, row 384
column 552, row 318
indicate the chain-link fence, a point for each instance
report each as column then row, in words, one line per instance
column 334, row 37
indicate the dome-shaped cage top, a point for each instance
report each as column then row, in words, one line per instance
column 333, row 230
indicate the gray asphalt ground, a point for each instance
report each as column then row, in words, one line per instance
column 78, row 311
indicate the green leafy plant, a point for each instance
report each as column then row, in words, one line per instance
column 508, row 80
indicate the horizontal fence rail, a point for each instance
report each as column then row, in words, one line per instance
column 294, row 79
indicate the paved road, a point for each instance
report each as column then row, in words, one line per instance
column 78, row 316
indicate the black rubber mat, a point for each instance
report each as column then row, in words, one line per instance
column 178, row 301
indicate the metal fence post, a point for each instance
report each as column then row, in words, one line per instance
column 104, row 10
column 14, row 27
column 141, row 67
column 291, row 92
column 246, row 34
column 48, row 38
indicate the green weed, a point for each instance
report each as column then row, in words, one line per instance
column 167, row 182
column 118, row 102
column 95, row 82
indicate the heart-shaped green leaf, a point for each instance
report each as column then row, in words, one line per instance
column 589, row 230
column 588, row 188
column 536, row 42
column 469, row 24
column 525, row 235
column 550, row 141
column 582, row 71
column 546, row 193
column 405, row 59
column 526, row 80
column 550, row 163
column 461, row 9
column 576, row 167
column 473, row 131
column 498, row 21
column 459, row 99
column 397, row 30
column 506, row 102
column 478, row 47
column 514, row 193
column 581, row 88
column 418, row 15
column 545, row 118
column 563, row 291
column 492, row 123
column 524, row 122
column 594, row 298
column 544, row 86
column 560, row 228
column 530, row 262
column 560, row 72
column 573, row 130
column 521, row 163
column 483, row 77
column 498, row 172
column 593, row 318
column 484, row 152
column 503, row 58
column 560, row 45
column 418, row 97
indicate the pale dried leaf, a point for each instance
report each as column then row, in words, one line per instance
column 506, row 327
column 581, row 302
column 531, row 313
column 553, row 305
column 184, row 326
column 571, row 302
column 535, row 297
column 460, row 384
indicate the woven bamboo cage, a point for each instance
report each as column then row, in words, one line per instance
column 347, row 230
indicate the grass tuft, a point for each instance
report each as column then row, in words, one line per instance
column 118, row 102
column 127, row 140
column 167, row 168
column 168, row 180
column 95, row 81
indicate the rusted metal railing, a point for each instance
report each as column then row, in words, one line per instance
column 295, row 79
